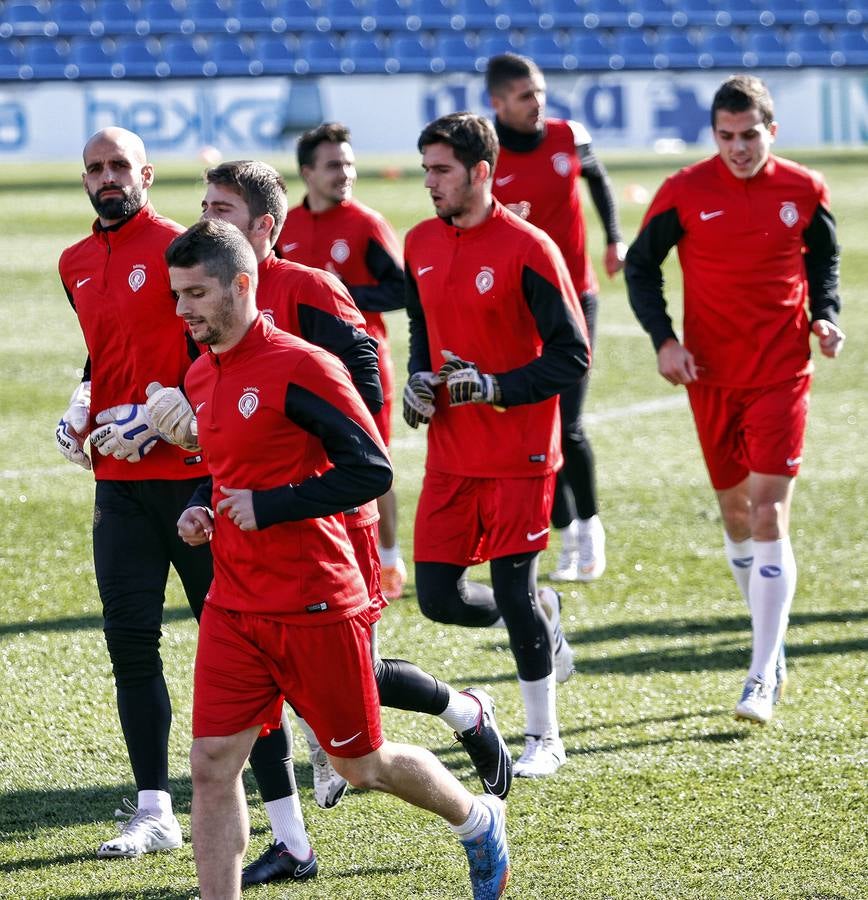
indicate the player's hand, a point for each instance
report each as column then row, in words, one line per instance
column 466, row 383
column 830, row 337
column 676, row 364
column 419, row 398
column 196, row 526
column 237, row 506
column 71, row 431
column 172, row 415
column 614, row 259
column 126, row 432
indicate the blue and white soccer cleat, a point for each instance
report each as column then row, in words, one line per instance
column 488, row 854
column 757, row 702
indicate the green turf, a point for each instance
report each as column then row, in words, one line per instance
column 664, row 794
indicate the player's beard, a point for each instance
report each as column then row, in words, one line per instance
column 460, row 205
column 113, row 209
column 220, row 327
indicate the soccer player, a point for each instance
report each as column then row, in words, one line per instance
column 537, row 177
column 117, row 282
column 288, row 614
column 314, row 305
column 757, row 243
column 496, row 332
column 330, row 230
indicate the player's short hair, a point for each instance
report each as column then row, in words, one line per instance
column 258, row 184
column 740, row 93
column 218, row 246
column 471, row 137
column 506, row 68
column 327, row 133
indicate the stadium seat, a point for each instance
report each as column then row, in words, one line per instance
column 274, row 54
column 764, row 49
column 720, row 49
column 607, row 14
column 9, row 63
column 71, row 19
column 675, row 50
column 409, row 54
column 342, row 15
column 207, row 16
column 391, row 15
column 451, row 53
column 140, row 59
column 496, row 43
column 118, row 19
column 479, row 14
column 853, row 45
column 163, row 18
column 294, row 15
column 317, row 54
column 362, row 53
column 563, row 14
column 589, row 50
column 26, row 20
column 808, row 48
column 630, row 50
column 44, row 59
column 433, row 15
column 229, row 56
column 547, row 53
column 93, row 60
column 779, row 12
column 696, row 12
column 739, row 12
column 824, row 12
column 524, row 14
column 659, row 12
column 184, row 57
column 254, row 16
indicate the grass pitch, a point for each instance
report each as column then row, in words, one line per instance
column 664, row 795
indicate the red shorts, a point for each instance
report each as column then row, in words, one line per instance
column 364, row 541
column 466, row 521
column 743, row 430
column 246, row 665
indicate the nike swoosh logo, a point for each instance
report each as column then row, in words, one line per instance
column 82, row 281
column 500, row 182
column 303, row 870
column 794, row 461
column 705, row 216
column 200, row 406
column 423, row 270
column 335, row 743
column 537, row 534
column 288, row 248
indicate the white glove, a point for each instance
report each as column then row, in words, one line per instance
column 71, row 431
column 172, row 415
column 126, row 432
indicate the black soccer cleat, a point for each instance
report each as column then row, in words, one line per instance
column 278, row 864
column 487, row 749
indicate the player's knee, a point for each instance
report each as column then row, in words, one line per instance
column 767, row 521
column 211, row 762
column 362, row 773
column 135, row 655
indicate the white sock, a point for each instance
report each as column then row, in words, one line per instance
column 389, row 556
column 287, row 824
column 476, row 824
column 539, row 705
column 309, row 736
column 462, row 711
column 772, row 586
column 739, row 555
column 158, row 803
column 569, row 536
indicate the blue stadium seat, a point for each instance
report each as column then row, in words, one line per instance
column 479, row 14
column 363, row 54
column 208, row 17
column 548, row 53
column 26, row 20
column 630, row 50
column 824, row 12
column 607, row 14
column 341, row 15
column 739, row 12
column 140, row 59
column 451, row 53
column 45, row 59
column 391, row 15
column 589, row 50
column 163, row 18
column 274, row 54
column 853, row 45
column 720, row 49
column 779, row 12
column 9, row 62
column 229, row 56
column 659, row 12
column 563, row 14
column 524, row 14
column 764, row 49
column 253, row 16
column 296, row 15
column 317, row 54
column 809, row 47
column 117, row 18
column 71, row 19
column 433, row 15
column 93, row 60
column 410, row 54
column 697, row 12
column 183, row 56
column 675, row 50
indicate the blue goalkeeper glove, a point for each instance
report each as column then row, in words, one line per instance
column 466, row 384
column 419, row 398
column 125, row 432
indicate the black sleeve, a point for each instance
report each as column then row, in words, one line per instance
column 565, row 356
column 823, row 266
column 644, row 276
column 600, row 189
column 388, row 293
column 355, row 349
column 420, row 356
column 361, row 472
column 202, row 494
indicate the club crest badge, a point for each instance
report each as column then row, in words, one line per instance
column 137, row 277
column 485, row 280
column 789, row 214
column 249, row 402
column 340, row 251
column 561, row 164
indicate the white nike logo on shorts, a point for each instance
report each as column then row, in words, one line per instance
column 794, row 461
column 335, row 743
column 82, row 281
column 537, row 534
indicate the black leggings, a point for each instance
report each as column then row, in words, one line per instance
column 446, row 596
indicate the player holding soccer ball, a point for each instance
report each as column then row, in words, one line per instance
column 117, row 282
column 757, row 245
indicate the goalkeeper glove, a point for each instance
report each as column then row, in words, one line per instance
column 419, row 398
column 172, row 415
column 71, row 430
column 466, row 383
column 126, row 432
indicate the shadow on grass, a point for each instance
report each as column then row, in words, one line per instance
column 82, row 623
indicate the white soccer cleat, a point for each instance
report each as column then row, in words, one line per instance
column 143, row 832
column 757, row 702
column 592, row 549
column 562, row 654
column 542, row 756
column 328, row 787
column 568, row 563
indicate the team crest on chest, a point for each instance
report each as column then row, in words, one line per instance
column 249, row 402
column 561, row 164
column 340, row 251
column 789, row 214
column 137, row 277
column 485, row 280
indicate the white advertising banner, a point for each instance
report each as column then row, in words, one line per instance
column 261, row 116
